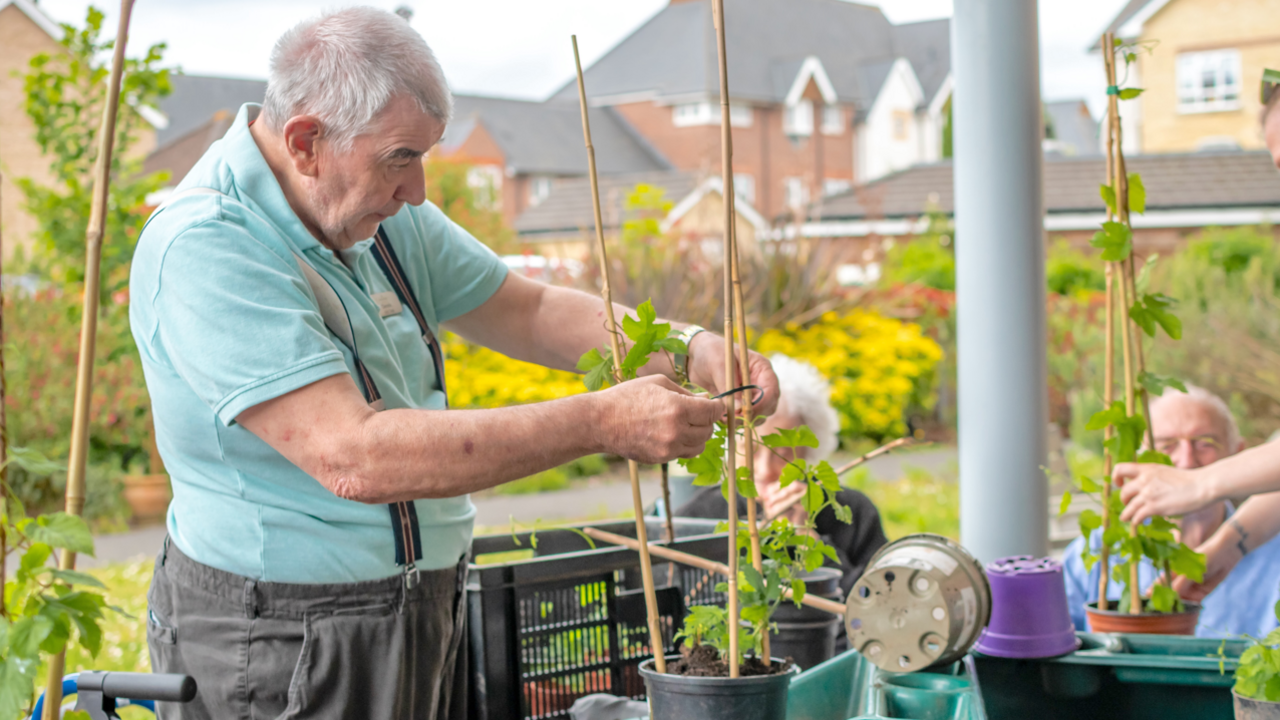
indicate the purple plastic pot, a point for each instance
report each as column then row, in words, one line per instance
column 1029, row 615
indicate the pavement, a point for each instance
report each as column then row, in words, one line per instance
column 603, row 496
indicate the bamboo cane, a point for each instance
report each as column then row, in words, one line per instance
column 730, row 455
column 1108, row 386
column 89, row 326
column 646, row 564
column 670, row 532
column 702, row 563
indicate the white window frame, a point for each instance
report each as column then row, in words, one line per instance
column 795, row 192
column 833, row 186
column 692, row 114
column 485, row 182
column 539, row 189
column 797, row 119
column 744, row 186
column 1224, row 68
column 832, row 120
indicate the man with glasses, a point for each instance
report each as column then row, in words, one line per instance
column 1196, row 429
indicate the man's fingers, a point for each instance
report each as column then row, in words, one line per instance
column 1125, row 471
column 1130, row 490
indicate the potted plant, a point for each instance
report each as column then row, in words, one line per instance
column 1125, row 423
column 1257, row 689
column 149, row 494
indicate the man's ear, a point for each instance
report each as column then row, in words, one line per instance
column 301, row 140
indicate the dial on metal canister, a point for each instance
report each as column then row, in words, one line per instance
column 923, row 600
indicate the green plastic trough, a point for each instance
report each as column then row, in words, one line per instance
column 1113, row 676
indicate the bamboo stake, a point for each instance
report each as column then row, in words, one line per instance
column 89, row 326
column 730, row 454
column 670, row 523
column 748, row 435
column 702, row 563
column 1108, row 385
column 646, row 564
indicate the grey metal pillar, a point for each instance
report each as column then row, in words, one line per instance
column 1000, row 293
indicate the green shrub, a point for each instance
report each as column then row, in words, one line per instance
column 1069, row 271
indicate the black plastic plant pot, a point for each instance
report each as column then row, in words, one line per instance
column 676, row 697
column 1250, row 709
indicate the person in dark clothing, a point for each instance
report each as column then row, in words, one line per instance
column 805, row 400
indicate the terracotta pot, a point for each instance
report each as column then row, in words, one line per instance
column 148, row 495
column 1112, row 621
column 1250, row 709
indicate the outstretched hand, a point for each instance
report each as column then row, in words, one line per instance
column 1148, row 489
column 706, row 370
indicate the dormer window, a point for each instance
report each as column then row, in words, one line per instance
column 797, row 120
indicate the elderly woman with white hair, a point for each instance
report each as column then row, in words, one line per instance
column 805, row 399
column 286, row 302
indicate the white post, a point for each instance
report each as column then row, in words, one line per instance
column 1000, row 284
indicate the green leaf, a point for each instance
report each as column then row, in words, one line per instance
column 1155, row 384
column 1163, row 598
column 61, row 530
column 797, row 591
column 1151, row 310
column 33, row 560
column 843, row 513
column 1115, row 240
column 796, row 437
column 1090, row 520
column 813, row 499
column 1088, row 485
column 1137, row 194
column 1113, row 415
column 791, row 472
column 17, row 675
column 827, row 476
column 75, row 577
column 746, row 488
column 673, row 345
column 598, row 368
column 26, row 635
column 1130, row 93
column 1144, row 275
column 34, row 462
column 1066, row 503
column 1108, row 194
column 1188, row 562
column 1155, row 456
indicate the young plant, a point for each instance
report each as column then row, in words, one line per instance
column 1258, row 670
column 1125, row 423
column 788, row 551
column 647, row 336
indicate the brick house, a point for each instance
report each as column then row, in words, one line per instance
column 1203, row 74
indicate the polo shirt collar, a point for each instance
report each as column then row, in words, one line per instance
column 256, row 183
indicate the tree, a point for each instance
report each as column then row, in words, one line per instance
column 65, row 93
column 471, row 199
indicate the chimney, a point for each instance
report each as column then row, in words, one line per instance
column 405, row 12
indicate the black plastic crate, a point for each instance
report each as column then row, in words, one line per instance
column 570, row 621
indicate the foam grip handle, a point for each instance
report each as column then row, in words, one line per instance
column 140, row 686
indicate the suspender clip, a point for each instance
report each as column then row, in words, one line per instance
column 410, row 576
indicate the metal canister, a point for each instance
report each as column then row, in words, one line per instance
column 923, row 600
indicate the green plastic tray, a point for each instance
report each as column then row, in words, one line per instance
column 1115, row 676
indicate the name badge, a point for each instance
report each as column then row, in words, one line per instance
column 388, row 304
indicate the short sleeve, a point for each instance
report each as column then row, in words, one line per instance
column 237, row 321
column 461, row 271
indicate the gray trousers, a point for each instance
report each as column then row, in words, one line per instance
column 261, row 650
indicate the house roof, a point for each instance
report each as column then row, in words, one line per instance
column 546, row 137
column 196, row 98
column 33, row 11
column 1174, row 181
column 568, row 209
column 1127, row 24
column 181, row 154
column 1074, row 129
column 673, row 56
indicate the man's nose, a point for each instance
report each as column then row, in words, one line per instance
column 1184, row 458
column 413, row 190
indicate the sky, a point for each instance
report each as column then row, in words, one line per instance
column 518, row 48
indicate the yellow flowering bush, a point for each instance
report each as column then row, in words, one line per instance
column 481, row 378
column 879, row 367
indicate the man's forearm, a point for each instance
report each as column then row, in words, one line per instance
column 411, row 454
column 1254, row 471
column 1253, row 525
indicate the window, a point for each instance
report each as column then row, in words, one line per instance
column 853, row 274
column 1208, row 81
column 539, row 189
column 708, row 113
column 485, row 182
column 832, row 120
column 744, row 186
column 798, row 119
column 797, row 193
column 831, row 186
column 901, row 124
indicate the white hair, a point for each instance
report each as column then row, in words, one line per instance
column 806, row 394
column 345, row 66
column 1215, row 404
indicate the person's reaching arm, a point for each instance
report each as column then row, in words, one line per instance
column 1149, row 489
column 1254, row 524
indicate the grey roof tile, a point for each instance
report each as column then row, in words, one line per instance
column 568, row 209
column 195, row 99
column 546, row 137
column 927, row 46
column 1191, row 180
column 1074, row 128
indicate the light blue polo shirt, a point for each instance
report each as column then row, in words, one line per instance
column 225, row 320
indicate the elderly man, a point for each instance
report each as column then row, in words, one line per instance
column 1196, row 429
column 804, row 399
column 286, row 303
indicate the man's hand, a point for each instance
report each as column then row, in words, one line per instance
column 706, row 370
column 653, row 420
column 1220, row 557
column 1149, row 489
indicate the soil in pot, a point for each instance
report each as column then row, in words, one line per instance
column 1114, row 621
column 704, row 661
column 689, row 697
